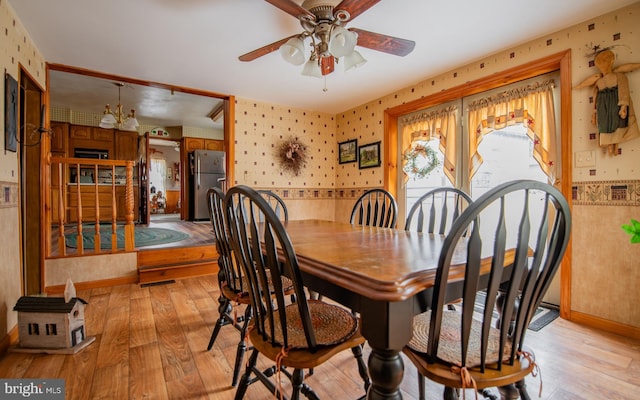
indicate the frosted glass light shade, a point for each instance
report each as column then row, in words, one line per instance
column 108, row 118
column 130, row 124
column 312, row 68
column 293, row 51
column 342, row 42
column 353, row 60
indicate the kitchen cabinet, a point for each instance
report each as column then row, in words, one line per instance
column 59, row 135
column 89, row 137
column 210, row 144
column 126, row 145
column 88, row 202
column 191, row 144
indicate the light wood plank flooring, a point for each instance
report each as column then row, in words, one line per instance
column 151, row 343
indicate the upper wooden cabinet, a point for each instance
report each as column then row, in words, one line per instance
column 126, row 145
column 210, row 144
column 89, row 137
column 191, row 144
column 59, row 135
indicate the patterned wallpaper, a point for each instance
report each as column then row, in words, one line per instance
column 261, row 128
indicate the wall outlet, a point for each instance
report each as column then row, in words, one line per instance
column 584, row 159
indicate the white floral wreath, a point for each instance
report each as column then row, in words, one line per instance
column 419, row 161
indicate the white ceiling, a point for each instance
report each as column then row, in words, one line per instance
column 196, row 43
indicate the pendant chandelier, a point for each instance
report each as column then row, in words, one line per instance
column 118, row 119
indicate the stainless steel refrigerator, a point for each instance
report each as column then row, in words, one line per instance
column 207, row 169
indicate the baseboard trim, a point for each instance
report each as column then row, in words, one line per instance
column 125, row 280
column 10, row 339
column 605, row 325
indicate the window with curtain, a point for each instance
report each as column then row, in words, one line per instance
column 483, row 140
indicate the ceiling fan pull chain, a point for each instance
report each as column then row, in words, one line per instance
column 325, row 84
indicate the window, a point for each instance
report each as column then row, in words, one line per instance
column 505, row 148
column 52, row 329
column 34, row 329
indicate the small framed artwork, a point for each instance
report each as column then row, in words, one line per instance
column 169, row 173
column 348, row 151
column 10, row 112
column 369, row 155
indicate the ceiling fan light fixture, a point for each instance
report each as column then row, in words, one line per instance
column 354, row 60
column 312, row 68
column 342, row 41
column 293, row 51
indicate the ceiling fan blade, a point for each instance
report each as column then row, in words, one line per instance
column 292, row 8
column 355, row 7
column 384, row 43
column 252, row 55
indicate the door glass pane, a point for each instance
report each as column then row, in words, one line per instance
column 507, row 155
column 436, row 178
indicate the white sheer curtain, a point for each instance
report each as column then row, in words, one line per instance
column 157, row 174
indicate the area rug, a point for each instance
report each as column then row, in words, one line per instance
column 144, row 236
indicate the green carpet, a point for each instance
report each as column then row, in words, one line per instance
column 144, row 236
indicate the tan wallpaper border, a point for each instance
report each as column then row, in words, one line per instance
column 9, row 194
column 317, row 194
column 607, row 193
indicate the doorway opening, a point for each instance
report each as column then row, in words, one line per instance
column 164, row 180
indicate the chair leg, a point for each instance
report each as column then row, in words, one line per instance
column 522, row 389
column 362, row 367
column 421, row 393
column 245, row 380
column 224, row 309
column 296, row 382
column 450, row 393
column 508, row 392
column 242, row 346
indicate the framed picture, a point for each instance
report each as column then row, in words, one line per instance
column 10, row 112
column 348, row 151
column 369, row 155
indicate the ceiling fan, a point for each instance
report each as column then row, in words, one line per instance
column 324, row 22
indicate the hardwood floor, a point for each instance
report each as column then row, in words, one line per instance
column 151, row 343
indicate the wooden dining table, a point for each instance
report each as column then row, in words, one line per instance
column 384, row 274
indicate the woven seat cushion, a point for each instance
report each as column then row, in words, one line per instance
column 332, row 325
column 449, row 346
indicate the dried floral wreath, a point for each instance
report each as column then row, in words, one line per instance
column 292, row 156
column 419, row 161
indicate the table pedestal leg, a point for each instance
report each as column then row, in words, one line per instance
column 386, row 370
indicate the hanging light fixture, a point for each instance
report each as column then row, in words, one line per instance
column 330, row 42
column 117, row 119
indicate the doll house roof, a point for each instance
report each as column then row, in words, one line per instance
column 46, row 304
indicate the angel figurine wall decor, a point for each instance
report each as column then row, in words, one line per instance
column 613, row 112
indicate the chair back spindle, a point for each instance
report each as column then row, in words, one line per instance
column 436, row 210
column 375, row 207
